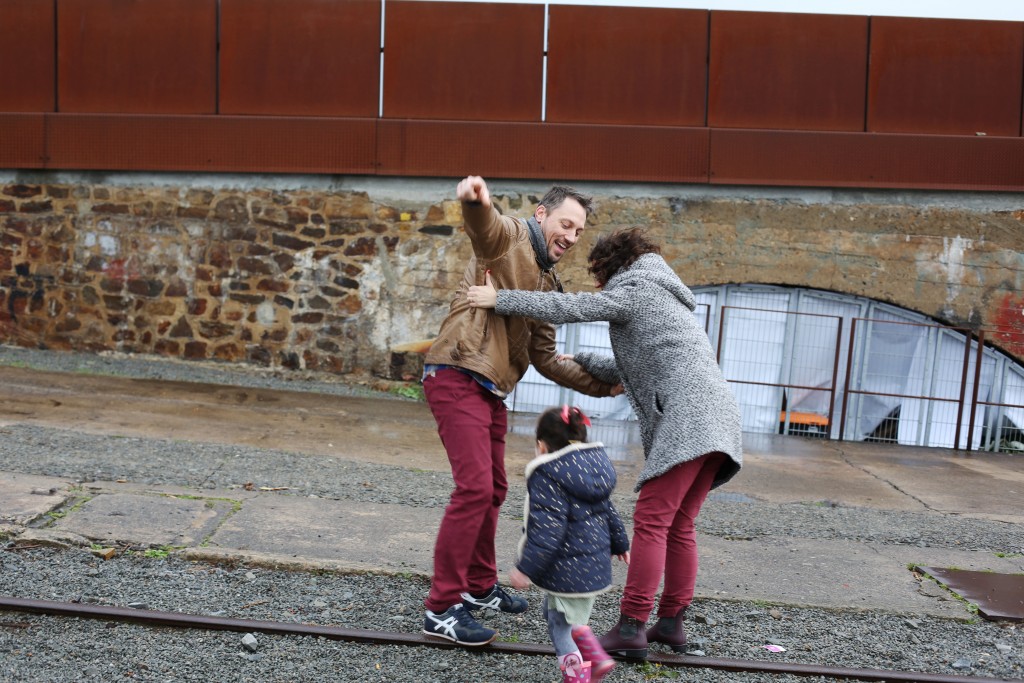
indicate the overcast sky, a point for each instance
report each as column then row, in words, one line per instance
column 1012, row 10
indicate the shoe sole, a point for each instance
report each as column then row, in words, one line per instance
column 460, row 642
column 628, row 654
column 676, row 647
column 598, row 670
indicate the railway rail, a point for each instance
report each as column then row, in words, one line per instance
column 195, row 621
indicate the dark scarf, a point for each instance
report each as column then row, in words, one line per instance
column 540, row 248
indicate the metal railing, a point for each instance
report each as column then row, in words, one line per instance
column 791, row 348
column 888, row 380
column 855, row 381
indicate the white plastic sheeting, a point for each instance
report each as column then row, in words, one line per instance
column 778, row 350
column 1005, row 415
column 535, row 393
column 886, row 345
column 940, row 374
column 753, row 344
column 824, row 325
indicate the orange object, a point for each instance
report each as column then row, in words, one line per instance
column 418, row 346
column 804, row 419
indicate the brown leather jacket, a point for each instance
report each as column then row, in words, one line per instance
column 498, row 347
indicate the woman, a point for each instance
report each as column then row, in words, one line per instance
column 689, row 419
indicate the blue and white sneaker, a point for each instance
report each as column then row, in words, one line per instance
column 497, row 600
column 458, row 625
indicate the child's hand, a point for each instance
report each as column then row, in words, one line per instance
column 519, row 580
column 624, row 557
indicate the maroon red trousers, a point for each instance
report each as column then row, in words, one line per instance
column 471, row 422
column 665, row 538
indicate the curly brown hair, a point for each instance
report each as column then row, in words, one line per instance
column 617, row 251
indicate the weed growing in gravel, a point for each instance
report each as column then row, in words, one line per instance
column 653, row 672
column 413, row 391
column 54, row 515
column 971, row 607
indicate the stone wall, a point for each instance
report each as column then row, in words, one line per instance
column 336, row 280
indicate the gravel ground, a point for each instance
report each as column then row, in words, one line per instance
column 38, row 648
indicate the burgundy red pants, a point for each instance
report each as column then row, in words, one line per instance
column 665, row 539
column 471, row 422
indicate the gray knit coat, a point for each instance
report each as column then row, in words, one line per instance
column 662, row 357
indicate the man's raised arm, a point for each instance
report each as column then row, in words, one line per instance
column 484, row 225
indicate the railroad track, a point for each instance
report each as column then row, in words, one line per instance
column 196, row 621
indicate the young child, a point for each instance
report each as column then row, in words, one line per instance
column 571, row 530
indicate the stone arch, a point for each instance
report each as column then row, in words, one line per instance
column 824, row 364
column 957, row 259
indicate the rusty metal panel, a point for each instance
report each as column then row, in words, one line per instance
column 464, row 61
column 22, row 141
column 211, row 143
column 300, row 57
column 822, row 159
column 137, row 56
column 27, row 63
column 549, row 151
column 629, row 65
column 787, row 71
column 945, row 76
column 998, row 596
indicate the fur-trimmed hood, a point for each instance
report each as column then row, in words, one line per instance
column 582, row 469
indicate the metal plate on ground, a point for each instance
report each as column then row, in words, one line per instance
column 998, row 596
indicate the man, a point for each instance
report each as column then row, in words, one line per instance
column 476, row 360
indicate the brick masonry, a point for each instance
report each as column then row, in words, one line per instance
column 336, row 281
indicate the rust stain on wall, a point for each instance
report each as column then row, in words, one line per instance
column 1008, row 324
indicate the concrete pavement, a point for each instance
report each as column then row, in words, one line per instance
column 276, row 529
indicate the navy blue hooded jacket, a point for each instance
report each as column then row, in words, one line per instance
column 571, row 529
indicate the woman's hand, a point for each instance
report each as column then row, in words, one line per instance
column 483, row 296
column 519, row 580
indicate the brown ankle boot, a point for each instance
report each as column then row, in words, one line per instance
column 626, row 639
column 670, row 631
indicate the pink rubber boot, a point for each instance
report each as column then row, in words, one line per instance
column 600, row 662
column 574, row 669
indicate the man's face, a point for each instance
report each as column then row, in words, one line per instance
column 561, row 227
